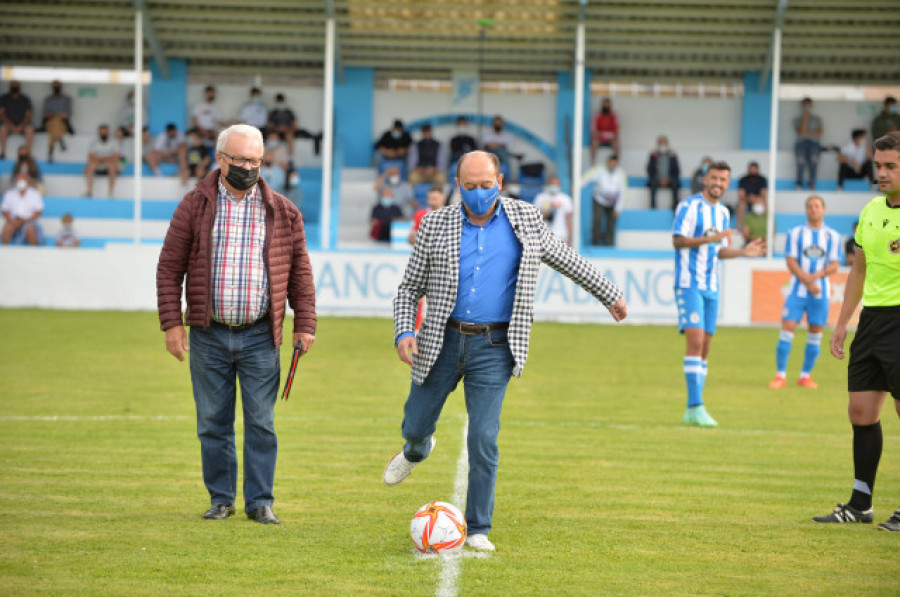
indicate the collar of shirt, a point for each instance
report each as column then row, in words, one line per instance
column 252, row 195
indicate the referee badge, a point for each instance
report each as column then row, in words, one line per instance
column 894, row 246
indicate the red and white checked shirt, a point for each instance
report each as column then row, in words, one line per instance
column 240, row 283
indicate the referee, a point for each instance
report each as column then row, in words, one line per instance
column 874, row 367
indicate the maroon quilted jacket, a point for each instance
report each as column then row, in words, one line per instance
column 187, row 254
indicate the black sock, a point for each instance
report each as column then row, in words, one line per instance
column 867, row 444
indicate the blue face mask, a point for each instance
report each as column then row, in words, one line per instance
column 478, row 200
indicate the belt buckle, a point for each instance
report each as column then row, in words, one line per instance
column 472, row 328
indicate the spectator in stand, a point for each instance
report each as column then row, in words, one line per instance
column 283, row 121
column 207, row 118
column 15, row 117
column 57, row 119
column 427, row 159
column 103, row 158
column 697, row 185
column 22, row 208
column 606, row 130
column 125, row 120
column 855, row 159
column 462, row 142
column 196, row 156
column 850, row 246
column 556, row 209
column 887, row 120
column 25, row 164
column 254, row 112
column 400, row 192
column 169, row 147
column 67, row 237
column 753, row 190
column 756, row 221
column 499, row 142
column 434, row 200
column 383, row 215
column 663, row 171
column 609, row 186
column 808, row 147
column 394, row 143
column 273, row 173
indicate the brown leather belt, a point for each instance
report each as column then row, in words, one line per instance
column 476, row 328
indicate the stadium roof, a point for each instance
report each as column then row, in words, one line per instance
column 824, row 41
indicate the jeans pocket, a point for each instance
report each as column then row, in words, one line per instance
column 498, row 338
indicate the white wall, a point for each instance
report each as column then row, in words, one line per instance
column 123, row 277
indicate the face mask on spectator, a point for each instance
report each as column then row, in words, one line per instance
column 256, row 100
column 758, row 208
column 14, row 89
column 553, row 189
column 104, row 138
column 605, row 110
column 498, row 127
column 21, row 184
column 479, row 200
column 386, row 201
column 893, row 109
column 396, row 134
column 393, row 180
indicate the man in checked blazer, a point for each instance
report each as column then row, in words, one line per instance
column 478, row 265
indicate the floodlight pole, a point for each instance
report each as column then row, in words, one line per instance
column 138, row 120
column 773, row 140
column 578, row 129
column 481, row 36
column 328, row 134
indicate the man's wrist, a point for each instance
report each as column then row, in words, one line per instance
column 402, row 336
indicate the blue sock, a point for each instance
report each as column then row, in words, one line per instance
column 783, row 351
column 812, row 353
column 693, row 375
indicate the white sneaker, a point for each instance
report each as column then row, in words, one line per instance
column 479, row 543
column 399, row 467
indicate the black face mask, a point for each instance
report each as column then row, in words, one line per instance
column 104, row 138
column 14, row 90
column 498, row 127
column 604, row 110
column 241, row 178
column 57, row 90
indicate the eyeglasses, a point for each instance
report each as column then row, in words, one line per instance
column 241, row 162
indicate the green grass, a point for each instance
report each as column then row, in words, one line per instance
column 601, row 490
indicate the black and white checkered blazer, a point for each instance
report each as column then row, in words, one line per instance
column 433, row 271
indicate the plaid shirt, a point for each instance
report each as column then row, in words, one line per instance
column 240, row 283
column 433, row 271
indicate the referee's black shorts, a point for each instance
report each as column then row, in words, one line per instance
column 875, row 352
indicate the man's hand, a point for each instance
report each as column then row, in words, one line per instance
column 176, row 342
column 619, row 310
column 305, row 339
column 407, row 349
column 755, row 248
column 837, row 341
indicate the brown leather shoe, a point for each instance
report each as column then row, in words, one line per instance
column 263, row 515
column 219, row 512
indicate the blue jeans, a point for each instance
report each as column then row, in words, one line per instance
column 807, row 153
column 219, row 357
column 485, row 363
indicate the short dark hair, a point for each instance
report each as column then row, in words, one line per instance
column 890, row 100
column 436, row 189
column 426, row 127
column 888, row 142
column 171, row 127
column 857, row 133
column 209, row 88
column 279, row 97
column 398, row 124
column 613, row 156
column 753, row 163
column 254, row 90
column 720, row 165
column 811, row 197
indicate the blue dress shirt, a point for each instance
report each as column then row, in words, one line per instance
column 488, row 269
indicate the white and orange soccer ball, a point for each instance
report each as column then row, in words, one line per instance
column 438, row 527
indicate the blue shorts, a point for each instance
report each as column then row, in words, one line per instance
column 18, row 237
column 697, row 309
column 816, row 308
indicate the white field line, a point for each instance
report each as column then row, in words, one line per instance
column 95, row 418
column 450, row 565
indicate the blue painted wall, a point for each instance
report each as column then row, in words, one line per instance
column 168, row 96
column 354, row 97
column 756, row 113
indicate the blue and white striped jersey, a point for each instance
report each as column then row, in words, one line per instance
column 698, row 267
column 814, row 249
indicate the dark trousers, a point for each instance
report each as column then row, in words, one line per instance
column 603, row 230
column 846, row 171
column 654, row 186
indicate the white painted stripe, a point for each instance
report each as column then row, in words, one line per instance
column 95, row 418
column 450, row 565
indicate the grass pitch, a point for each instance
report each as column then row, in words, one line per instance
column 601, row 490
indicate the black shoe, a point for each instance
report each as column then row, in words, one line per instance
column 892, row 523
column 218, row 512
column 845, row 513
column 263, row 515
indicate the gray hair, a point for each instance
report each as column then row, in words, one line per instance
column 242, row 130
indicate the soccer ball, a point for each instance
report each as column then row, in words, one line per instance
column 438, row 527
